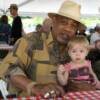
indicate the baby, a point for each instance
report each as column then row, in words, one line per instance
column 78, row 74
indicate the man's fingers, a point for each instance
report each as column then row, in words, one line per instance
column 55, row 90
column 48, row 90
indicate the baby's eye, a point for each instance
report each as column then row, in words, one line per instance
column 73, row 51
column 81, row 51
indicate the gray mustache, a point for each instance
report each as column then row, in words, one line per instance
column 65, row 37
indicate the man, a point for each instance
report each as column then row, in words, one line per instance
column 96, row 35
column 16, row 31
column 31, row 68
column 94, row 54
column 5, row 29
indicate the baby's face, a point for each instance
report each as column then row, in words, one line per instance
column 78, row 53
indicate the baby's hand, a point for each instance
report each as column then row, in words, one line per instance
column 61, row 69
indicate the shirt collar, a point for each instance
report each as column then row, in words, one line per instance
column 50, row 39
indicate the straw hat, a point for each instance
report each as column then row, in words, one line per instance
column 68, row 9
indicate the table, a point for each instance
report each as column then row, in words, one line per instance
column 83, row 95
column 4, row 49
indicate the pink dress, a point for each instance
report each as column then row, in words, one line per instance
column 79, row 74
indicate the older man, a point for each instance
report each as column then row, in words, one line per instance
column 32, row 68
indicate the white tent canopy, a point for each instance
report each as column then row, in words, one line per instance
column 41, row 7
column 31, row 7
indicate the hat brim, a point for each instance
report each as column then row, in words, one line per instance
column 68, row 16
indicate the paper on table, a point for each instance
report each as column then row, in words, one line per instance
column 3, row 88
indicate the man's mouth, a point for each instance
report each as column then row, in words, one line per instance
column 64, row 36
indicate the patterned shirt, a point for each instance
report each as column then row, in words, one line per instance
column 36, row 59
column 81, row 73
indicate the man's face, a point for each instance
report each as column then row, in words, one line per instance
column 97, row 44
column 13, row 12
column 64, row 29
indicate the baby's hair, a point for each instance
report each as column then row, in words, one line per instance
column 78, row 39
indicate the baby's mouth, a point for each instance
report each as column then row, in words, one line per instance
column 77, row 59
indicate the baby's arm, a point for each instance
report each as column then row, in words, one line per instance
column 96, row 81
column 62, row 75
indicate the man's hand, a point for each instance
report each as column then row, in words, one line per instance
column 47, row 90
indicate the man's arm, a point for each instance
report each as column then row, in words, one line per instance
column 13, row 64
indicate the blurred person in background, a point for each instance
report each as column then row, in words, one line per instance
column 16, row 31
column 96, row 35
column 38, row 29
column 82, row 30
column 47, row 26
column 90, row 32
column 97, row 44
column 94, row 54
column 38, row 34
column 5, row 29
